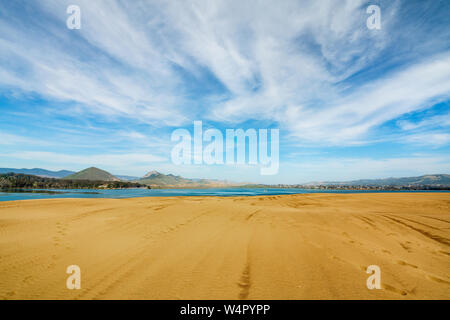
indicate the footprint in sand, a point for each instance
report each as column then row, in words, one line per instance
column 444, row 252
column 61, row 233
column 27, row 279
column 406, row 245
column 436, row 279
column 394, row 289
column 403, row 263
column 338, row 259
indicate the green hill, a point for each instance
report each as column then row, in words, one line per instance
column 156, row 178
column 160, row 180
column 93, row 174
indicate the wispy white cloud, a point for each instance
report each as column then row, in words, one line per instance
column 431, row 122
column 109, row 160
column 375, row 103
column 7, row 139
column 429, row 139
column 286, row 63
column 80, row 67
column 344, row 169
column 132, row 135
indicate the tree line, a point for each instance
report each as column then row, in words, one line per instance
column 24, row 181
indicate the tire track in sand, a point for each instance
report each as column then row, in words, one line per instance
column 434, row 237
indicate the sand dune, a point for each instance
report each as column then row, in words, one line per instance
column 314, row 246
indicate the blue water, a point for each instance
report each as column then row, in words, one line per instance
column 133, row 193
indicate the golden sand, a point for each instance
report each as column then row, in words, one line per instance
column 313, row 246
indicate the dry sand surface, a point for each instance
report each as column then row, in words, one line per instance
column 313, row 246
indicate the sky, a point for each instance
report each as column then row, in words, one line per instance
column 349, row 102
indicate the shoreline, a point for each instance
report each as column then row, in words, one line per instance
column 329, row 192
column 362, row 192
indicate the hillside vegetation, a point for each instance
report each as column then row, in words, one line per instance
column 23, row 181
column 93, row 174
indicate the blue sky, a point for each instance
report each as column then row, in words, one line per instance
column 349, row 102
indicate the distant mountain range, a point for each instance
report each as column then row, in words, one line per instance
column 38, row 172
column 152, row 178
column 429, row 180
column 156, row 179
